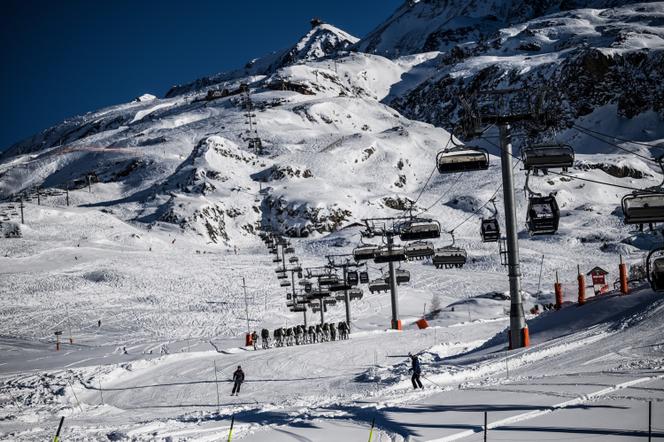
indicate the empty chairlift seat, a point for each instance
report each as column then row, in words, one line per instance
column 449, row 257
column 384, row 254
column 328, row 280
column 547, row 156
column 419, row 250
column 462, row 159
column 418, row 229
column 490, row 230
column 355, row 294
column 643, row 207
column 378, row 285
column 543, row 215
column 364, row 253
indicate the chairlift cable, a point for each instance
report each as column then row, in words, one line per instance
column 574, row 177
column 583, row 131
column 443, row 195
column 430, row 175
column 616, row 138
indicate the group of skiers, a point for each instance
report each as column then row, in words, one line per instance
column 300, row 335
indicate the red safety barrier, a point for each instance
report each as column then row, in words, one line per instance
column 624, row 287
column 422, row 324
column 396, row 325
column 525, row 337
column 582, row 289
column 558, row 288
column 248, row 340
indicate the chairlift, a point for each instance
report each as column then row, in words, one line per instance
column 289, row 250
column 462, row 159
column 352, row 278
column 293, row 259
column 340, row 287
column 277, row 259
column 449, row 256
column 378, row 285
column 385, row 254
column 418, row 229
column 655, row 269
column 419, row 250
column 329, row 302
column 547, row 156
column 643, row 207
column 364, row 277
column 282, row 276
column 285, row 284
column 489, row 227
column 328, row 279
column 364, row 252
column 355, row 294
column 299, row 308
column 543, row 215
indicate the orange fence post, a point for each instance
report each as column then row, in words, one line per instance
column 558, row 288
column 396, row 325
column 624, row 287
column 582, row 286
column 525, row 337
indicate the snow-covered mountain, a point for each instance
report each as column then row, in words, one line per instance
column 345, row 122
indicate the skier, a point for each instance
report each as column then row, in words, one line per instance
column 238, row 378
column 343, row 330
column 298, row 335
column 312, row 334
column 289, row 336
column 326, row 332
column 333, row 331
column 319, row 333
column 417, row 371
column 277, row 337
column 254, row 339
column 265, row 338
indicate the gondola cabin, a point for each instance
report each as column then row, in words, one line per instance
column 364, row 253
column 490, row 230
column 352, row 278
column 384, row 254
column 449, row 257
column 655, row 269
column 549, row 156
column 462, row 159
column 543, row 215
column 420, row 229
column 364, row 277
column 419, row 250
column 643, row 208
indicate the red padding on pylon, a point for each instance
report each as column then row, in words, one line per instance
column 525, row 337
column 422, row 324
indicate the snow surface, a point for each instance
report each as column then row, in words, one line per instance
column 158, row 244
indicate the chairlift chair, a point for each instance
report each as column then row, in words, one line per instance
column 339, row 287
column 277, row 259
column 643, row 207
column 378, row 285
column 282, row 276
column 329, row 302
column 364, row 277
column 364, row 252
column 462, row 159
column 419, row 250
column 352, row 278
column 543, row 215
column 299, row 308
column 547, row 156
column 655, row 269
column 449, row 257
column 328, row 280
column 289, row 250
column 355, row 294
column 285, row 283
column 418, row 229
column 293, row 259
column 384, row 254
column 402, row 276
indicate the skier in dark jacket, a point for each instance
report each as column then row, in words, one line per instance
column 417, row 371
column 238, row 379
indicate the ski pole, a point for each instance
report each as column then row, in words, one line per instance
column 437, row 385
column 57, row 434
column 373, row 421
column 230, row 432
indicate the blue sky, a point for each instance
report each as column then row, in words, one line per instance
column 67, row 57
